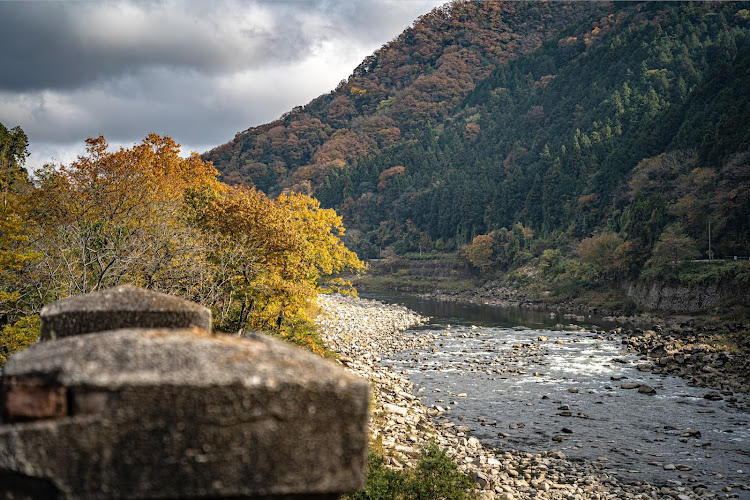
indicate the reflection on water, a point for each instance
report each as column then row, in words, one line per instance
column 518, row 383
column 461, row 313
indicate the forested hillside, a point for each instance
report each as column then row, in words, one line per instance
column 416, row 79
column 614, row 139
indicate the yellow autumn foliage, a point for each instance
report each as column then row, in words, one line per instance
column 146, row 216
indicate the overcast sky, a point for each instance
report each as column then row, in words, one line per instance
column 198, row 71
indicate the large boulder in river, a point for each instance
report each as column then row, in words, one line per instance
column 646, row 389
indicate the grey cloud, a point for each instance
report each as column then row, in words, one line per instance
column 369, row 21
column 176, row 103
column 194, row 109
column 70, row 44
column 196, row 70
column 67, row 45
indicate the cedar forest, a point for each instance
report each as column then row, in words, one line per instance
column 592, row 141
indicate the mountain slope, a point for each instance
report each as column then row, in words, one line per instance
column 414, row 80
column 553, row 138
column 614, row 133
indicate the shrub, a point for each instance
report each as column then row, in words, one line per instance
column 436, row 477
column 382, row 482
column 304, row 333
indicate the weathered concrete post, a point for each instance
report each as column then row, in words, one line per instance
column 164, row 412
column 123, row 306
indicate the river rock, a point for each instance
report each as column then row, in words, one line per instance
column 646, row 389
column 695, row 433
column 657, row 352
column 481, row 479
column 395, row 409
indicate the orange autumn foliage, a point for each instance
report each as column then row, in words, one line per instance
column 146, row 216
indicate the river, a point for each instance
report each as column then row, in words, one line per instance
column 520, row 379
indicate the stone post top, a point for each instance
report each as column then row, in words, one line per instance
column 121, row 298
column 124, row 306
column 186, row 357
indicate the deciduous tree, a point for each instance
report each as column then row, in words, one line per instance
column 118, row 216
column 15, row 227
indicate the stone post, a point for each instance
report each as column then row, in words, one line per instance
column 172, row 411
column 123, row 306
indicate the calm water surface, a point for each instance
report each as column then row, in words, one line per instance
column 564, row 393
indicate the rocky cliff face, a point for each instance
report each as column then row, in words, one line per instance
column 677, row 298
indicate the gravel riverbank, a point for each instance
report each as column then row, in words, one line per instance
column 360, row 331
column 697, row 357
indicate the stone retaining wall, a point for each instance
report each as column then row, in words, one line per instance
column 660, row 296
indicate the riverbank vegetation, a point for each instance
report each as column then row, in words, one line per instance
column 146, row 216
column 570, row 285
column 436, row 477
